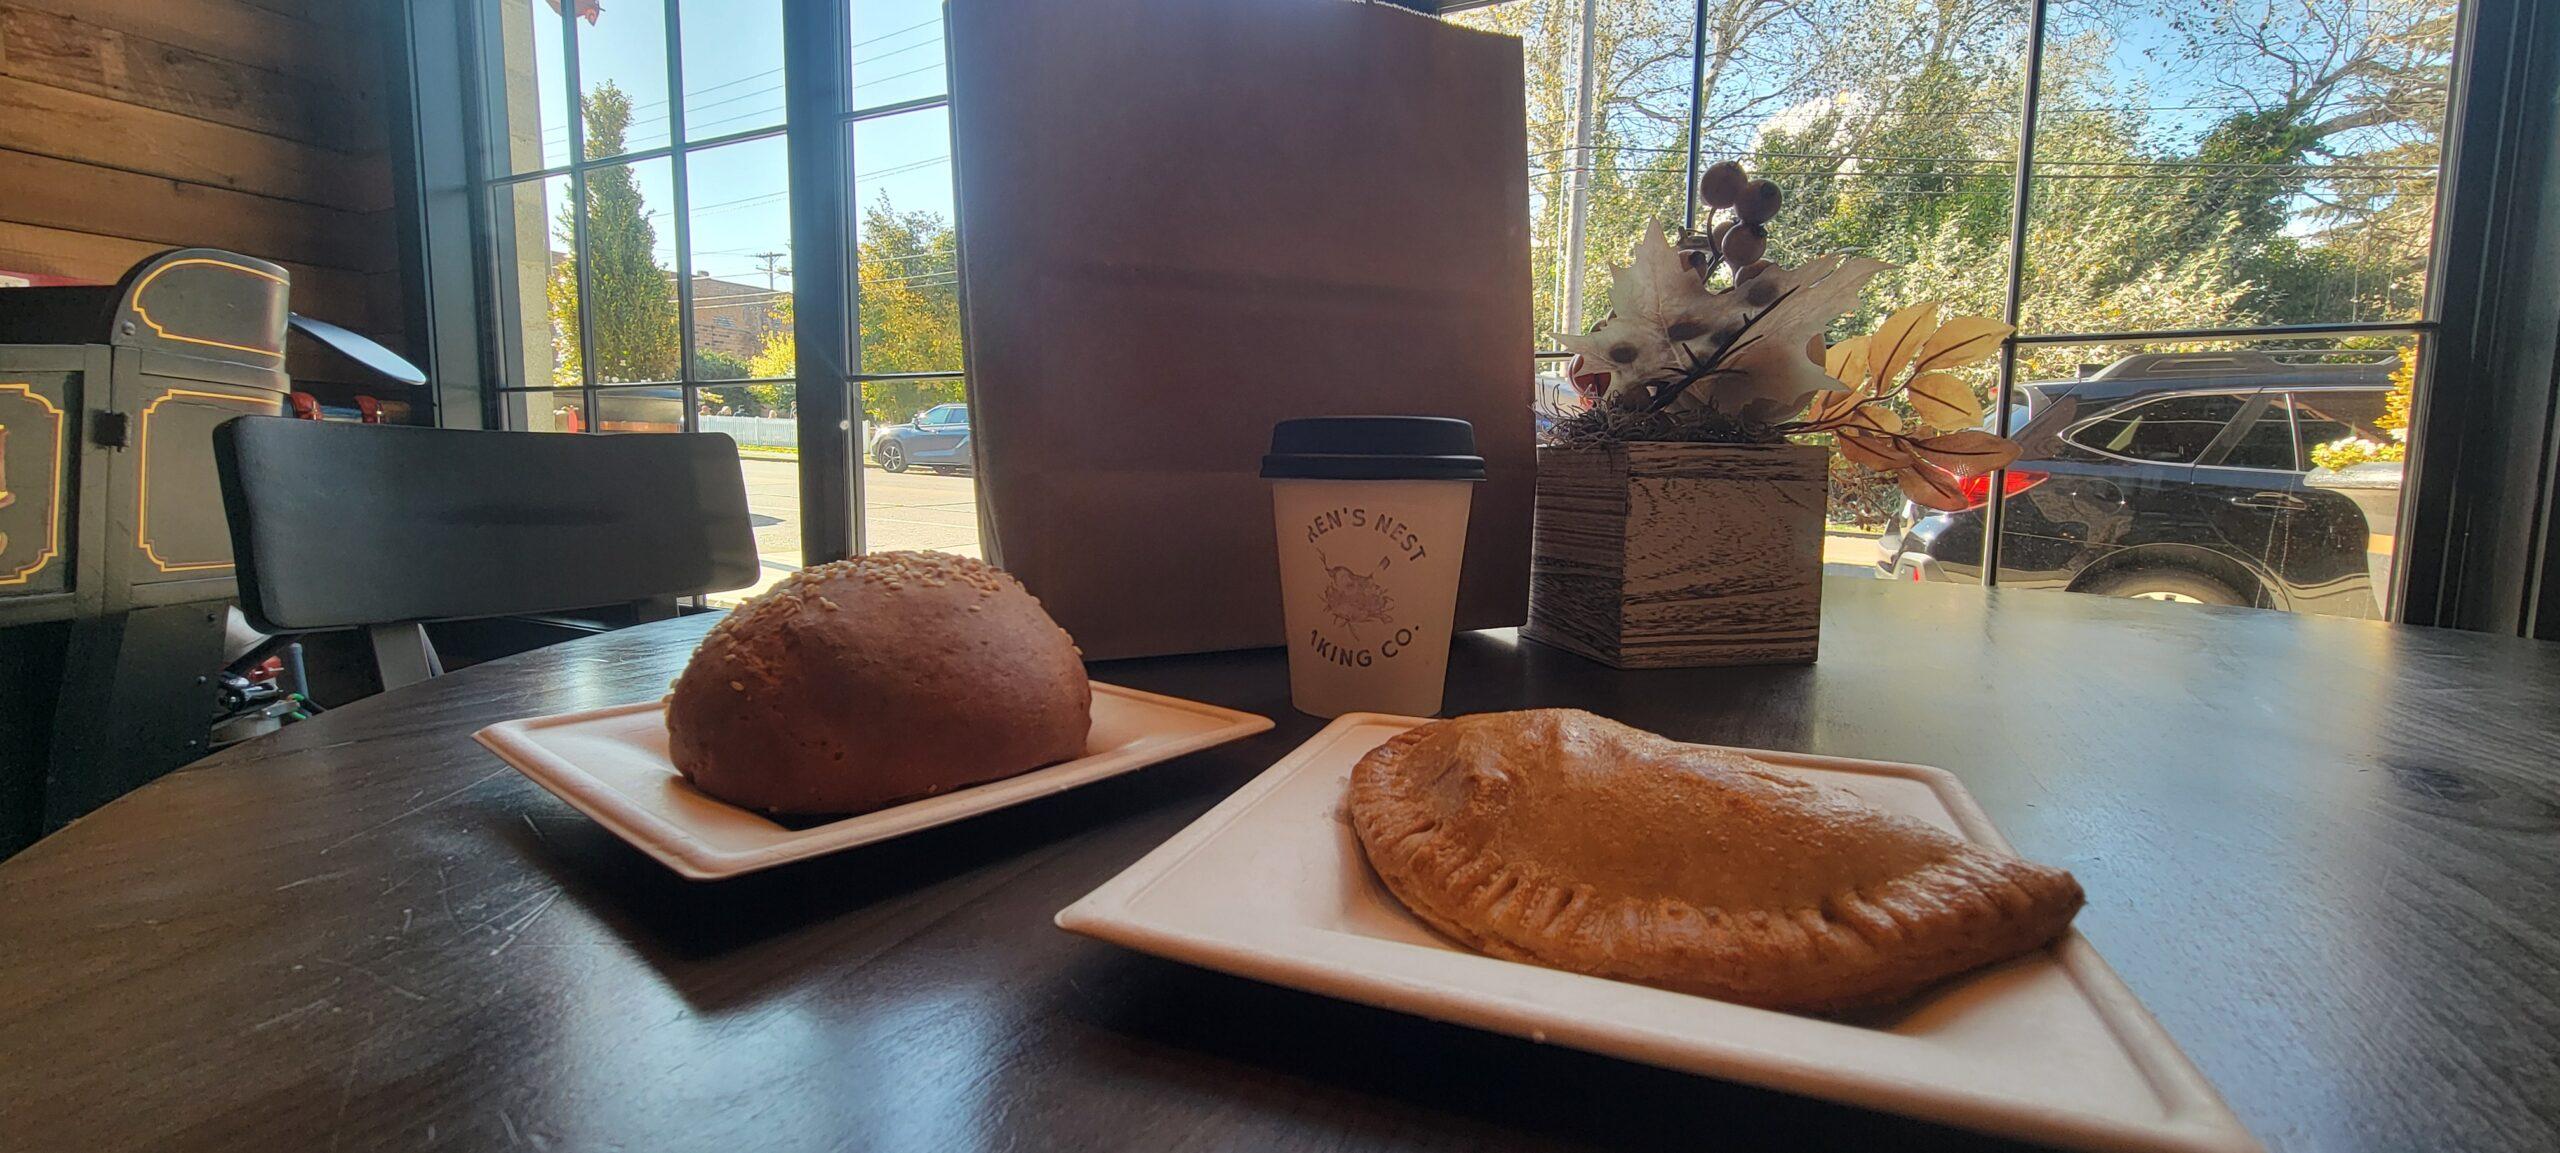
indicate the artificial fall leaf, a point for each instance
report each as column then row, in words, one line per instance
column 1767, row 373
column 1944, row 400
column 1846, row 361
column 1829, row 407
column 1896, row 340
column 1834, row 411
column 1878, row 453
column 1631, row 353
column 1962, row 340
column 1875, row 417
column 1649, row 296
column 1929, row 485
column 1970, row 452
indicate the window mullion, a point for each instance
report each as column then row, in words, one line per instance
column 578, row 262
column 1697, row 113
column 1996, row 505
column 677, row 173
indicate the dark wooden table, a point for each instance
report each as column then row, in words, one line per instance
column 2326, row 853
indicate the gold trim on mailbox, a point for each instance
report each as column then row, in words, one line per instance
column 165, row 334
column 53, row 505
column 142, row 469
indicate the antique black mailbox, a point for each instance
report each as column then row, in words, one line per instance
column 115, row 562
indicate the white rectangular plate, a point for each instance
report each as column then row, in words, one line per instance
column 1272, row 884
column 611, row 764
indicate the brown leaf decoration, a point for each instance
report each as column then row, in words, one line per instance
column 1961, row 341
column 1944, row 400
column 1971, row 452
column 1846, row 361
column 1828, row 407
column 1877, row 417
column 1896, row 340
column 1880, row 453
column 1934, row 487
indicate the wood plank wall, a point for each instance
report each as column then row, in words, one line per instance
column 129, row 126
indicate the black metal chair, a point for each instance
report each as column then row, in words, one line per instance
column 386, row 527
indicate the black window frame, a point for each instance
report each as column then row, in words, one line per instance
column 2478, row 550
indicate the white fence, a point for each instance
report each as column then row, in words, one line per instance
column 767, row 431
column 775, row 431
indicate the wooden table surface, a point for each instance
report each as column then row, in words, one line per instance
column 2326, row 853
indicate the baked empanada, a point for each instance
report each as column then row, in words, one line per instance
column 1564, row 839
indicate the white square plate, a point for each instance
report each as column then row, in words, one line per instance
column 611, row 764
column 1272, row 884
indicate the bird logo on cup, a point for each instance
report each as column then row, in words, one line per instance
column 1355, row 598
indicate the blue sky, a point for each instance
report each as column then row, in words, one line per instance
column 733, row 83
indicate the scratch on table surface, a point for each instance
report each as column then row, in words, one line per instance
column 513, row 1137
column 289, row 1014
column 378, row 978
column 516, row 930
column 310, row 879
column 544, row 837
column 413, row 810
column 406, row 915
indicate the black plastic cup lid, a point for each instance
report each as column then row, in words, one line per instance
column 1373, row 448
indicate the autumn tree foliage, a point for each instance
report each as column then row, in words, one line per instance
column 630, row 297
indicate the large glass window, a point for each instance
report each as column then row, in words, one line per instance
column 2211, row 224
column 641, row 249
column 2217, row 254
column 920, row 489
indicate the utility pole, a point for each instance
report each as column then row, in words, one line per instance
column 772, row 265
column 1578, row 194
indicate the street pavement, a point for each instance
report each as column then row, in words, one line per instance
column 909, row 510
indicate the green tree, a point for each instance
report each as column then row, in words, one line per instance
column 711, row 364
column 910, row 309
column 779, row 358
column 632, row 306
column 907, row 265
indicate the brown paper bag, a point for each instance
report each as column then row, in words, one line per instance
column 1182, row 221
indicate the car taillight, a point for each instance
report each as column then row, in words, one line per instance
column 1977, row 489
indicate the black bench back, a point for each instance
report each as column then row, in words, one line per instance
column 342, row 525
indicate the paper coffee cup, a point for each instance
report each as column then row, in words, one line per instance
column 1371, row 515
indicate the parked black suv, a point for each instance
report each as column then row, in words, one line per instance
column 2173, row 476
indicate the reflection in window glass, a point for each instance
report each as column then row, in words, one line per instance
column 897, row 52
column 648, row 408
column 562, row 411
column 535, row 283
column 2325, row 418
column 630, row 272
column 622, row 68
column 732, row 66
column 2134, row 482
column 740, row 204
column 529, row 117
column 2173, row 430
column 2268, row 443
column 2236, row 163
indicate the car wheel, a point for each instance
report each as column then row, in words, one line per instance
column 892, row 458
column 2168, row 584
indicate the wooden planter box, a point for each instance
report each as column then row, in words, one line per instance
column 1655, row 554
